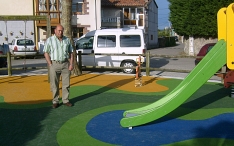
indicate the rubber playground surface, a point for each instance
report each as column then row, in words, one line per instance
column 27, row 118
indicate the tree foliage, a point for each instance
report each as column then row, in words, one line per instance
column 196, row 17
column 163, row 33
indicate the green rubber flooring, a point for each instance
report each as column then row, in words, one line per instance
column 27, row 118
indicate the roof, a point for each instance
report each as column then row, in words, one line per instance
column 138, row 3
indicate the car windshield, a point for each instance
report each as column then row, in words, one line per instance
column 210, row 47
column 24, row 41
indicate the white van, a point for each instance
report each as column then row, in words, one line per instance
column 112, row 41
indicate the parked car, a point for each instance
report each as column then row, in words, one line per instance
column 203, row 51
column 21, row 46
column 112, row 41
column 3, row 60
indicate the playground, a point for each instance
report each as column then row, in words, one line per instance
column 114, row 110
column 27, row 117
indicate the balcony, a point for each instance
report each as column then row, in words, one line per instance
column 111, row 22
column 116, row 22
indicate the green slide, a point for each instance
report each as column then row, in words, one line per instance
column 206, row 68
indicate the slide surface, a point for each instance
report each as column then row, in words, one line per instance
column 206, row 68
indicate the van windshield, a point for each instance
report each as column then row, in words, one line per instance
column 84, row 43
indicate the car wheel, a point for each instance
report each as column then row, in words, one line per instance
column 128, row 64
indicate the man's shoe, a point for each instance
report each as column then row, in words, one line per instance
column 55, row 105
column 68, row 104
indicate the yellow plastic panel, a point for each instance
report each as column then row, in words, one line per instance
column 222, row 25
column 230, row 36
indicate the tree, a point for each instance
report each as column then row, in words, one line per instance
column 196, row 17
column 66, row 22
column 164, row 33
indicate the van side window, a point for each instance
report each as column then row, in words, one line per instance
column 130, row 41
column 104, row 41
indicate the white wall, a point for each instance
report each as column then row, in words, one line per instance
column 153, row 24
column 16, row 27
column 16, row 7
column 93, row 18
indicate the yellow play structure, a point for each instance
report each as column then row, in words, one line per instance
column 226, row 32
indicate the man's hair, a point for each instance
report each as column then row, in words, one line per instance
column 59, row 25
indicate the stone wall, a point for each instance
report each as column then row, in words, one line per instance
column 197, row 44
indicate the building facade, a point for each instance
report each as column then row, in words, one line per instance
column 87, row 15
column 142, row 14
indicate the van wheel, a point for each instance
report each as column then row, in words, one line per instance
column 128, row 64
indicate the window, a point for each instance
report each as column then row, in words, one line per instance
column 74, row 32
column 80, row 32
column 131, row 16
column 209, row 48
column 130, row 41
column 24, row 42
column 51, row 7
column 106, row 41
column 77, row 6
column 77, row 32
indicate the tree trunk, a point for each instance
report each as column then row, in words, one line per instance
column 66, row 23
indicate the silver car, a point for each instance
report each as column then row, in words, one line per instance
column 21, row 46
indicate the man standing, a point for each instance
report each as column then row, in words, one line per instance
column 58, row 54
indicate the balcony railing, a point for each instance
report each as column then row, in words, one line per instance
column 111, row 19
